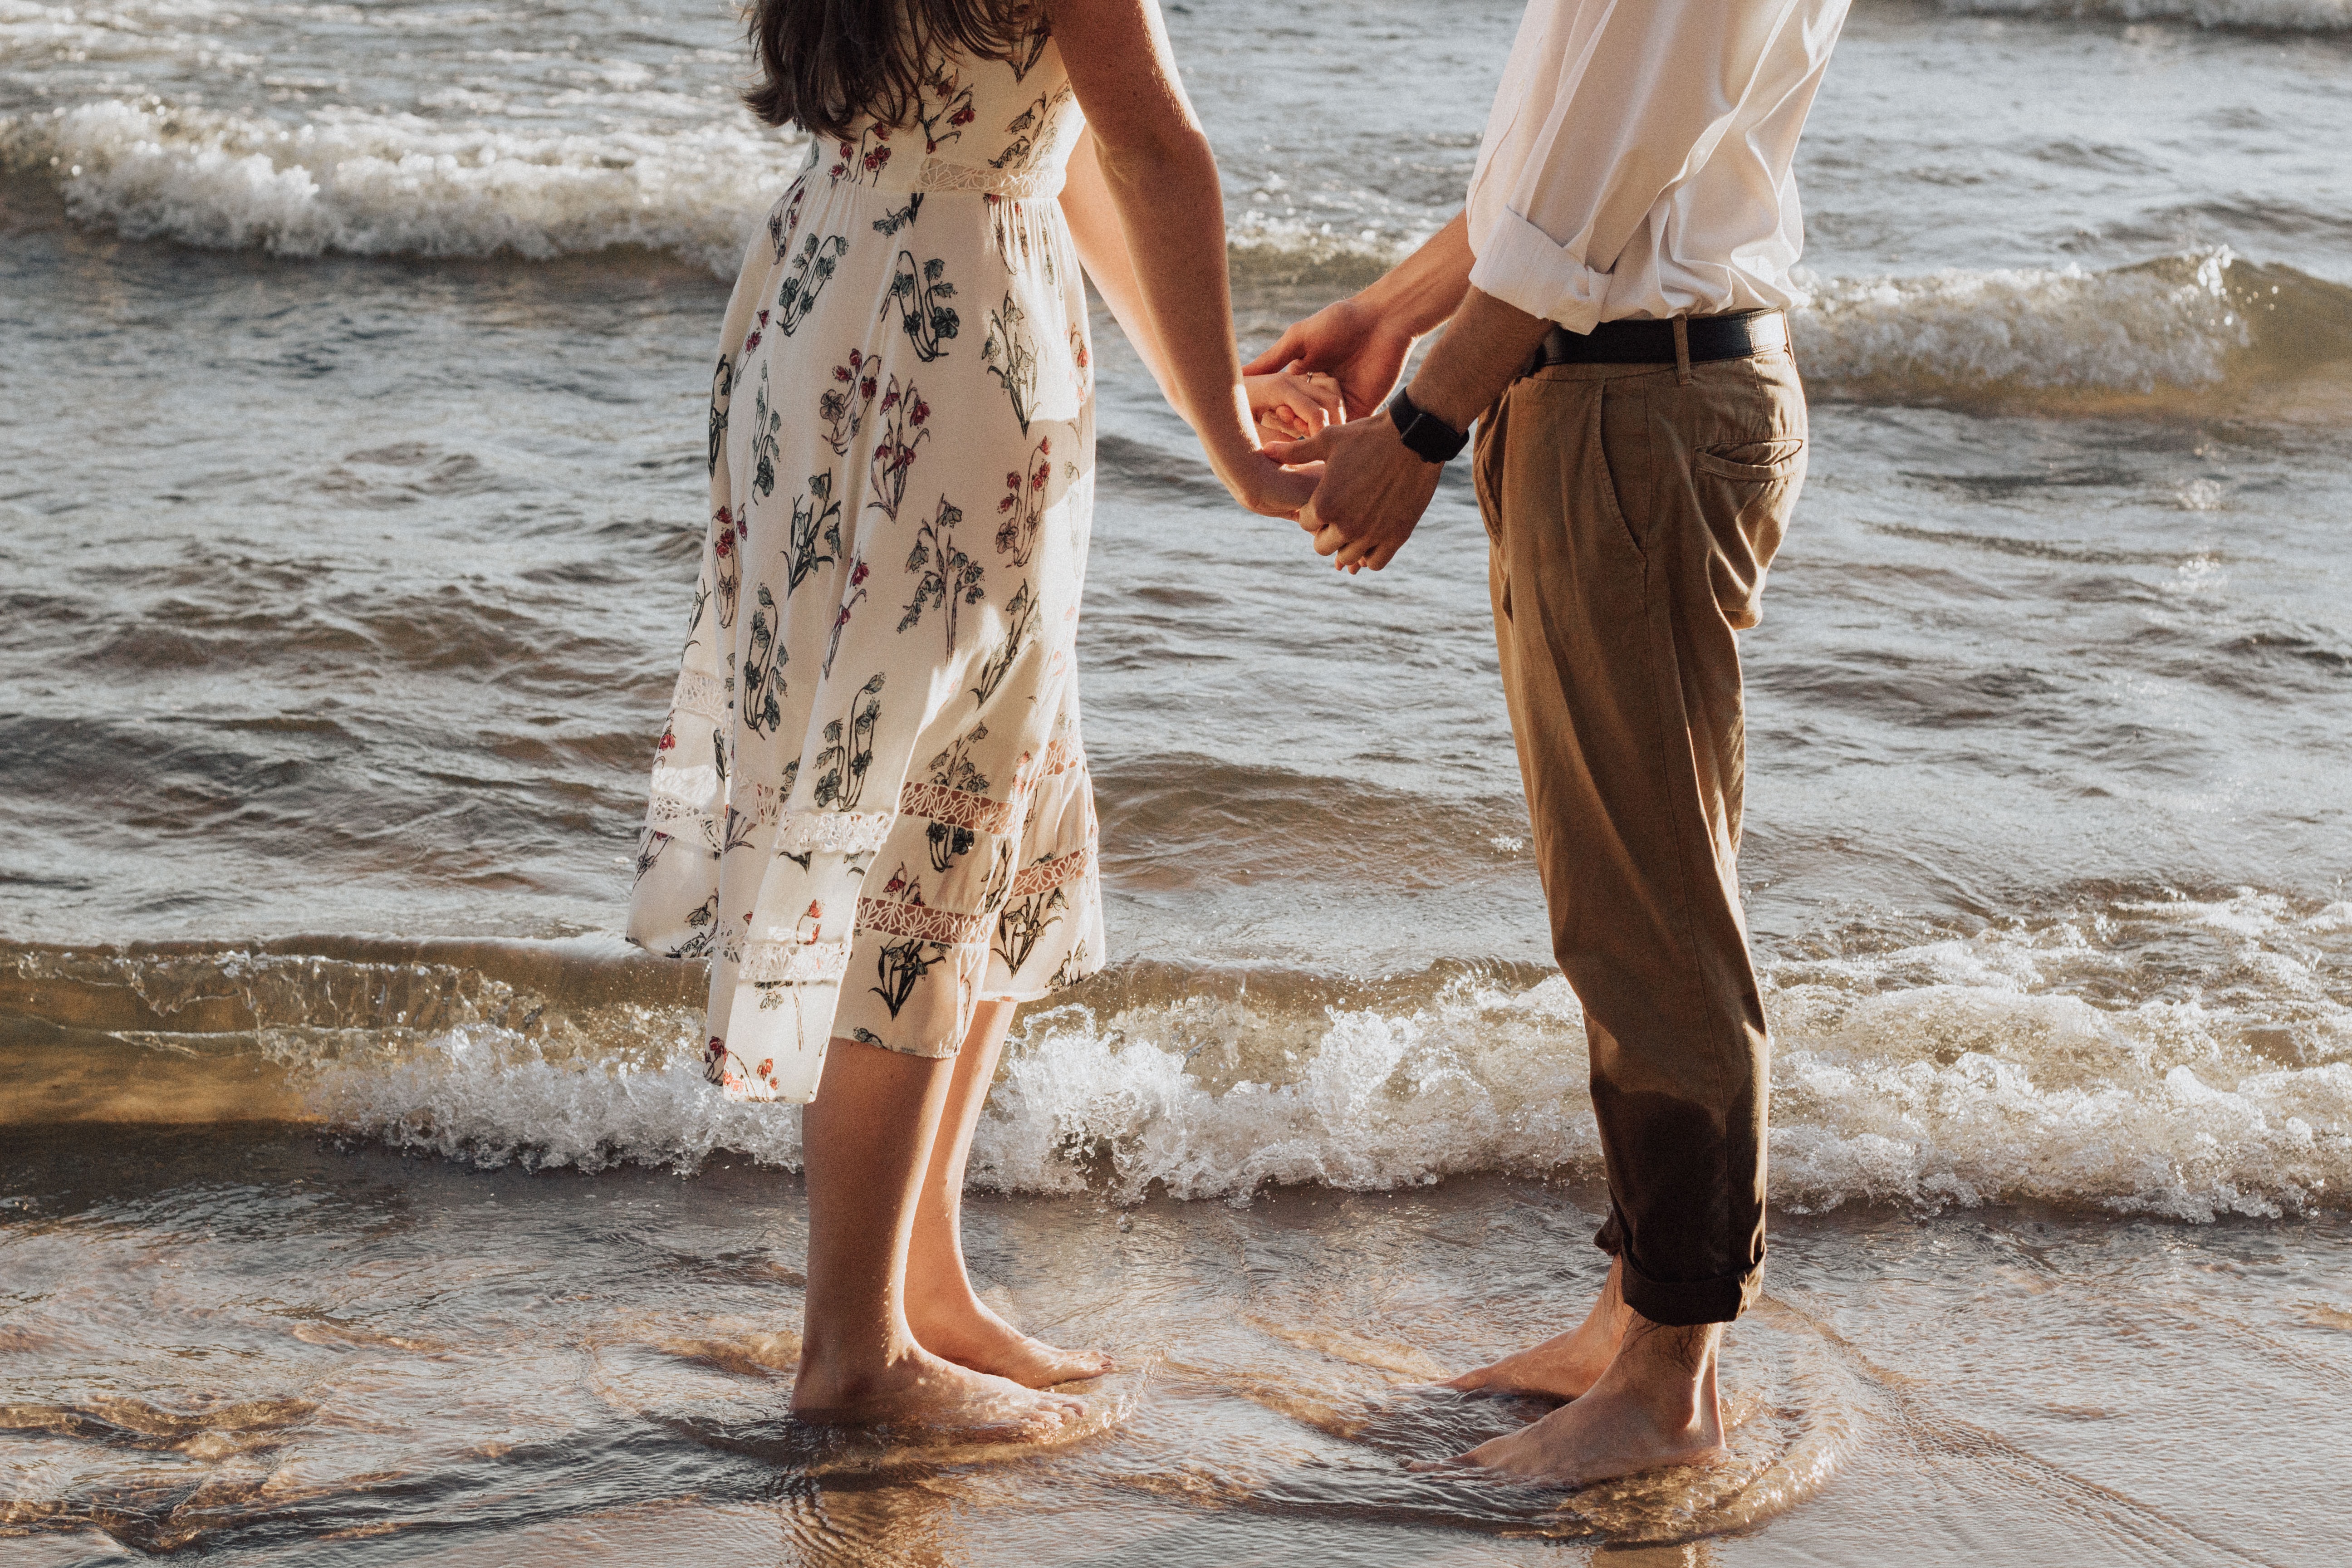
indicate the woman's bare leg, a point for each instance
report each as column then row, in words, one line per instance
column 867, row 1142
column 947, row 1316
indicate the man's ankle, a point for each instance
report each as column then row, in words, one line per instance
column 1669, row 1368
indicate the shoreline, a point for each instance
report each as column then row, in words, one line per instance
column 1995, row 1376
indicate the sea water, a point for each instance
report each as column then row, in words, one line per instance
column 363, row 1198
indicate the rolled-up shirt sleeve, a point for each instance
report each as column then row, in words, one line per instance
column 1603, row 108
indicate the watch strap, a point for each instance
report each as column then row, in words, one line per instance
column 1427, row 437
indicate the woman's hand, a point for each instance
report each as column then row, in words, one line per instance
column 1353, row 341
column 1261, row 483
column 1292, row 402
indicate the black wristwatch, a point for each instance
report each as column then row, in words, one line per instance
column 1429, row 437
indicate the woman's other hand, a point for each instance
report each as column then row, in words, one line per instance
column 1261, row 483
column 1292, row 402
column 1352, row 341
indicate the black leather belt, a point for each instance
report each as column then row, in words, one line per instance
column 1733, row 336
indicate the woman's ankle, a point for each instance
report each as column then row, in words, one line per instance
column 940, row 1294
column 860, row 1357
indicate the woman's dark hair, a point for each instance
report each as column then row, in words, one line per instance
column 826, row 64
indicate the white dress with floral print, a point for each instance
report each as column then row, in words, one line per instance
column 869, row 808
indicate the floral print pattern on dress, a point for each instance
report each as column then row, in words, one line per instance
column 869, row 805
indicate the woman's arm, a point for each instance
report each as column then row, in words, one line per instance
column 1288, row 403
column 1102, row 247
column 1151, row 165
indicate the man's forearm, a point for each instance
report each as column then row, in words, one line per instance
column 1421, row 292
column 1482, row 350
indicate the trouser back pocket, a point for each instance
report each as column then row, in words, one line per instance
column 1746, row 494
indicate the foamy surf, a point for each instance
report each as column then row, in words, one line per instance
column 2252, row 15
column 361, row 183
column 1954, row 1094
column 2170, row 324
column 356, row 182
column 2039, row 1060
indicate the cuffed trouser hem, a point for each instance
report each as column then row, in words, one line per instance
column 1679, row 1303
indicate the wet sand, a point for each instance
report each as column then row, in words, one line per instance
column 268, row 1346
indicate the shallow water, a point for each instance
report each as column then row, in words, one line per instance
column 495, row 1363
column 349, row 401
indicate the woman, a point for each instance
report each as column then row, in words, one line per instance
column 870, row 809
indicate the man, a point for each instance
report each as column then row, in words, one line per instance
column 1616, row 288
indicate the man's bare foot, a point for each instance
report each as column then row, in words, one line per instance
column 969, row 1334
column 1655, row 1407
column 919, row 1389
column 1565, row 1365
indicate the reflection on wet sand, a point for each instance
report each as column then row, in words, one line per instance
column 502, row 1364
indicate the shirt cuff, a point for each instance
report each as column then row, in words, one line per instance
column 1521, row 265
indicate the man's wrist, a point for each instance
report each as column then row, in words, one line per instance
column 1427, row 435
column 1433, row 402
column 1483, row 351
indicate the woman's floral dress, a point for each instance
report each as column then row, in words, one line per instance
column 869, row 807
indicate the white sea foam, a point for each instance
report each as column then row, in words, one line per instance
column 490, row 1094
column 2168, row 325
column 2260, row 16
column 696, row 183
column 396, row 184
column 2011, row 1065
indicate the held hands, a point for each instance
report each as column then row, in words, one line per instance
column 1346, row 339
column 1260, row 482
column 1372, row 489
column 1284, row 404
column 1292, row 402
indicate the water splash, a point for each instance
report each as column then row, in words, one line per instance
column 2163, row 1055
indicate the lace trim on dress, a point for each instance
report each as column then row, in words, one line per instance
column 679, row 794
column 957, row 808
column 921, row 922
column 1061, row 757
column 662, row 807
column 792, row 962
column 698, row 693
column 833, row 832
column 939, row 174
column 1050, row 874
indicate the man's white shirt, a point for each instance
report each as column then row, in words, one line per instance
column 1639, row 159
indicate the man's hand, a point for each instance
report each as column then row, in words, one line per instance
column 1373, row 491
column 1364, row 340
column 1362, row 346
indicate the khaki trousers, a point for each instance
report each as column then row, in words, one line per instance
column 1632, row 512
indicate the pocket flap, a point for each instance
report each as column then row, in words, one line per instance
column 1753, row 462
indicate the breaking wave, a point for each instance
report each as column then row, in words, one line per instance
column 2250, row 15
column 2031, row 1061
column 2179, row 325
column 364, row 184
column 2168, row 332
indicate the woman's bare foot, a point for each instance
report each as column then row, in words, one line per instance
column 969, row 1334
column 1564, row 1365
column 1655, row 1407
column 920, row 1389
